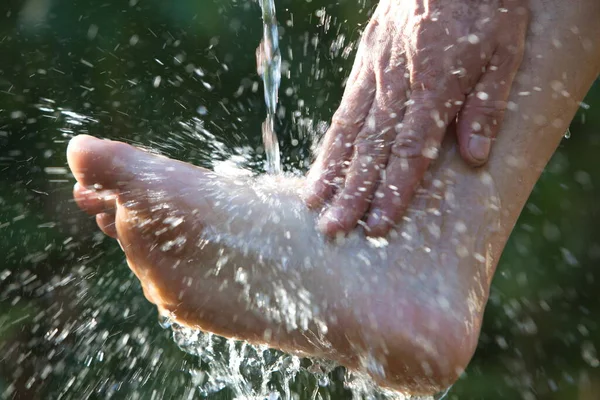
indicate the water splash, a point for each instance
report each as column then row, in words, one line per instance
column 268, row 59
column 258, row 372
column 227, row 365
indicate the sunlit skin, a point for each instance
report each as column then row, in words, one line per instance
column 421, row 66
column 244, row 258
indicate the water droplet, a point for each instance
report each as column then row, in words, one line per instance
column 323, row 380
column 92, row 31
column 589, row 355
column 483, row 96
column 473, row 39
column 165, row 321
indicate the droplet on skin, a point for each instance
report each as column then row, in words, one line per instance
column 173, row 221
column 462, row 251
column 460, row 227
column 513, row 161
column 443, row 303
column 430, row 152
column 473, row 39
column 177, row 242
column 539, row 120
column 557, row 86
column 160, row 231
column 482, row 96
column 479, row 257
column 459, row 71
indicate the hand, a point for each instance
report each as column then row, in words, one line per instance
column 421, row 66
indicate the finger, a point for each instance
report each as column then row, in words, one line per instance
column 371, row 152
column 337, row 145
column 347, row 121
column 481, row 116
column 416, row 144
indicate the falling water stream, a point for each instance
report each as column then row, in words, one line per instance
column 269, row 68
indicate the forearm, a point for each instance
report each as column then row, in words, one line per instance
column 562, row 60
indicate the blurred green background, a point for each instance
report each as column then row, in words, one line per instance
column 73, row 320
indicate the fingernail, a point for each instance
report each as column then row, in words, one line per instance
column 331, row 216
column 479, row 147
column 374, row 218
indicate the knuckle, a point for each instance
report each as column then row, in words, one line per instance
column 332, row 147
column 394, row 201
column 353, row 202
column 412, row 145
column 509, row 55
column 373, row 146
column 494, row 109
column 513, row 56
column 408, row 144
column 427, row 71
column 391, row 102
column 342, row 119
column 423, row 102
column 370, row 33
column 358, row 196
column 425, row 79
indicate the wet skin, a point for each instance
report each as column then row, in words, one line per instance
column 244, row 258
column 209, row 251
column 421, row 66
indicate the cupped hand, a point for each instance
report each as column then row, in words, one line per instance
column 421, row 66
